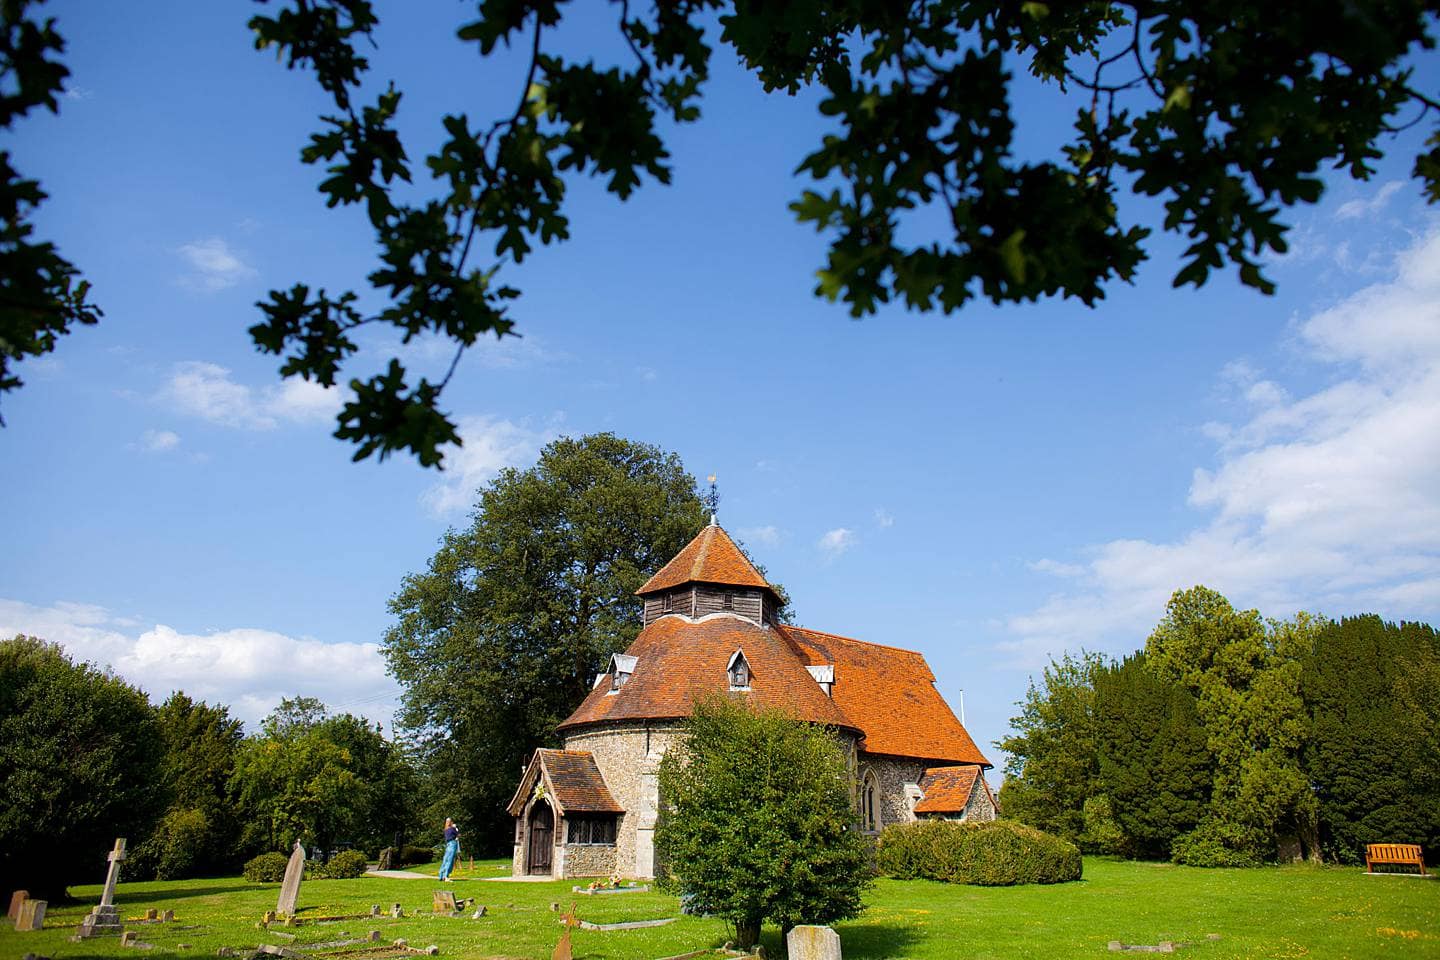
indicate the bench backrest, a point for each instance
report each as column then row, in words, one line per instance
column 1393, row 851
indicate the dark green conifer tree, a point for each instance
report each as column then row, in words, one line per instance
column 1368, row 748
column 1154, row 765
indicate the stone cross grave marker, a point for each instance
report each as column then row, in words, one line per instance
column 290, row 889
column 106, row 917
column 17, row 898
column 32, row 915
column 812, row 943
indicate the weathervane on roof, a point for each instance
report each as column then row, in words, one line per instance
column 711, row 500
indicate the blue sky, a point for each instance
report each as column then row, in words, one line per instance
column 991, row 488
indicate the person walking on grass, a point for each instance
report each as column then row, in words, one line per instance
column 452, row 850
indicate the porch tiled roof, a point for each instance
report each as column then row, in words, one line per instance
column 948, row 789
column 574, row 780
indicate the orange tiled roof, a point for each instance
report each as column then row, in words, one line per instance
column 575, row 782
column 889, row 694
column 678, row 660
column 711, row 557
column 948, row 789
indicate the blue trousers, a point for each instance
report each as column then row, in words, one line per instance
column 452, row 850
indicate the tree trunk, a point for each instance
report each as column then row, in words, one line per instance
column 747, row 933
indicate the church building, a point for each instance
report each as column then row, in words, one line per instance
column 710, row 625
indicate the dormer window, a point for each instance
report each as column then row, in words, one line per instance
column 621, row 666
column 824, row 675
column 739, row 670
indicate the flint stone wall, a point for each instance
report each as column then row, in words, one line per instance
column 628, row 756
column 891, row 775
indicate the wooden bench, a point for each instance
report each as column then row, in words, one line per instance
column 1400, row 854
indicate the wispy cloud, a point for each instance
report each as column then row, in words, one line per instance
column 212, row 265
column 247, row 669
column 837, row 541
column 490, row 444
column 207, row 390
column 884, row 519
column 767, row 536
column 159, row 441
column 1327, row 501
column 1369, row 207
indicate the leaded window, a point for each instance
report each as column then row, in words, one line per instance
column 594, row 830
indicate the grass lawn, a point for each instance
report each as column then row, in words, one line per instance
column 1301, row 911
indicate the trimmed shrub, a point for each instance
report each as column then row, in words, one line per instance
column 266, row 868
column 346, row 865
column 1217, row 844
column 993, row 854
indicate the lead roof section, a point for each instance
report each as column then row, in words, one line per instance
column 712, row 557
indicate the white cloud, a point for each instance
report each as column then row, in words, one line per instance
column 1328, row 502
column 1356, row 209
column 247, row 669
column 884, row 519
column 489, row 445
column 206, row 390
column 767, row 536
column 837, row 541
column 159, row 441
column 213, row 265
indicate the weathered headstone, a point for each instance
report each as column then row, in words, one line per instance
column 812, row 943
column 106, row 917
column 290, row 889
column 168, row 916
column 32, row 915
column 443, row 901
column 17, row 898
column 396, row 910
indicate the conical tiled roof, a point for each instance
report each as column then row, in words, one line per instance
column 712, row 557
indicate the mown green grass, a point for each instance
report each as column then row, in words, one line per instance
column 1286, row 912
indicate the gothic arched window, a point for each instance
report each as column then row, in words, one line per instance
column 870, row 803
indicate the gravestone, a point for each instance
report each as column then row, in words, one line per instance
column 290, row 889
column 812, row 943
column 106, row 917
column 444, row 902
column 17, row 898
column 32, row 915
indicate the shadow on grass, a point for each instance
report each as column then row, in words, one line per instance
column 123, row 896
column 869, row 941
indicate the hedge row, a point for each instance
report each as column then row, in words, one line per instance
column 270, row 867
column 998, row 853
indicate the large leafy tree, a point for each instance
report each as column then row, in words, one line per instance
column 200, row 831
column 80, row 764
column 757, row 821
column 1053, row 763
column 1246, row 685
column 501, row 637
column 1226, row 111
column 321, row 779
